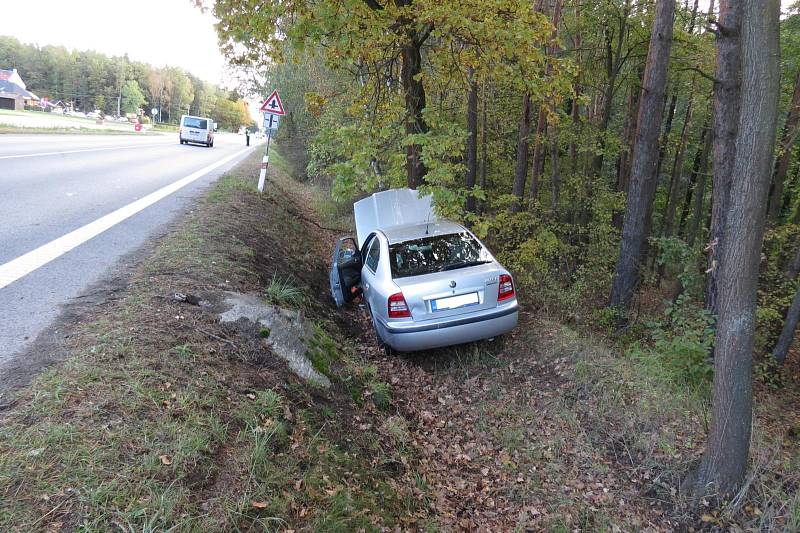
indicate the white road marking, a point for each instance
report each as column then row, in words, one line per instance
column 18, row 156
column 27, row 263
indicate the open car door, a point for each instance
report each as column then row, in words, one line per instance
column 345, row 274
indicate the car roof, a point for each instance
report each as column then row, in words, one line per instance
column 408, row 232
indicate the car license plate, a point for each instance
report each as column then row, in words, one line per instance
column 454, row 302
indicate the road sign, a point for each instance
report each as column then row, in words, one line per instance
column 273, row 104
column 271, row 122
column 153, row 112
column 137, row 127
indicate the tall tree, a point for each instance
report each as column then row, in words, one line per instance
column 788, row 138
column 724, row 462
column 472, row 139
column 521, row 166
column 726, row 122
column 645, row 154
column 789, row 330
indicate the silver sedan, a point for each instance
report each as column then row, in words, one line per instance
column 426, row 282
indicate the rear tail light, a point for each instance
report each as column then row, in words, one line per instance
column 506, row 289
column 398, row 308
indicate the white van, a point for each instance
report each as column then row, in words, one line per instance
column 197, row 130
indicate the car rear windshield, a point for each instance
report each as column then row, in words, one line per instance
column 191, row 122
column 435, row 254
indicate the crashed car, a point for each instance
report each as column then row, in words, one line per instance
column 426, row 282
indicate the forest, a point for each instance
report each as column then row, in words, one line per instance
column 634, row 162
column 91, row 80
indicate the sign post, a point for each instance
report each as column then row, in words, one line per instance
column 273, row 111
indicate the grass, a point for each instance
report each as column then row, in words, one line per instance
column 281, row 292
column 153, row 425
column 9, row 129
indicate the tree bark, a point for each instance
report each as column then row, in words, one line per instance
column 538, row 156
column 415, row 104
column 726, row 123
column 690, row 187
column 788, row 138
column 700, row 188
column 677, row 173
column 472, row 140
column 628, row 136
column 643, row 171
column 789, row 330
column 555, row 175
column 794, row 266
column 484, row 145
column 613, row 61
column 576, row 108
column 521, row 167
column 724, row 462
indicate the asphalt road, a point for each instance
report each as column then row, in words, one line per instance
column 71, row 206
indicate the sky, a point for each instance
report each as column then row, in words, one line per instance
column 159, row 32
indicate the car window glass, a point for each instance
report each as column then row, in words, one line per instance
column 191, row 122
column 374, row 255
column 435, row 254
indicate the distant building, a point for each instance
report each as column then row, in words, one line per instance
column 13, row 94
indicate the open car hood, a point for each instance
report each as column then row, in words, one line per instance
column 395, row 207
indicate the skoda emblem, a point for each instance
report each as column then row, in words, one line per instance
column 453, row 284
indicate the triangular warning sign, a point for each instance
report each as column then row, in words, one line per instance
column 273, row 104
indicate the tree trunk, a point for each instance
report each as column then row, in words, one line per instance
column 794, row 266
column 628, row 136
column 645, row 151
column 613, row 61
column 415, row 104
column 690, row 187
column 538, row 156
column 726, row 123
column 554, row 172
column 700, row 188
column 521, row 168
column 662, row 147
column 677, row 173
column 576, row 108
column 555, row 175
column 724, row 462
column 484, row 145
column 789, row 330
column 782, row 164
column 472, row 140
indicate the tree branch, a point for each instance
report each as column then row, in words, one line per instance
column 702, row 73
column 373, row 4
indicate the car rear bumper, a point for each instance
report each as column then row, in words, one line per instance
column 456, row 330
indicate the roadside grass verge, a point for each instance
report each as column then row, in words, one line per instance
column 164, row 420
column 9, row 129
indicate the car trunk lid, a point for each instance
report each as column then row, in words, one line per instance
column 451, row 292
column 395, row 207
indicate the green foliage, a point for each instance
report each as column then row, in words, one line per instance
column 281, row 292
column 322, row 351
column 132, row 97
column 682, row 344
